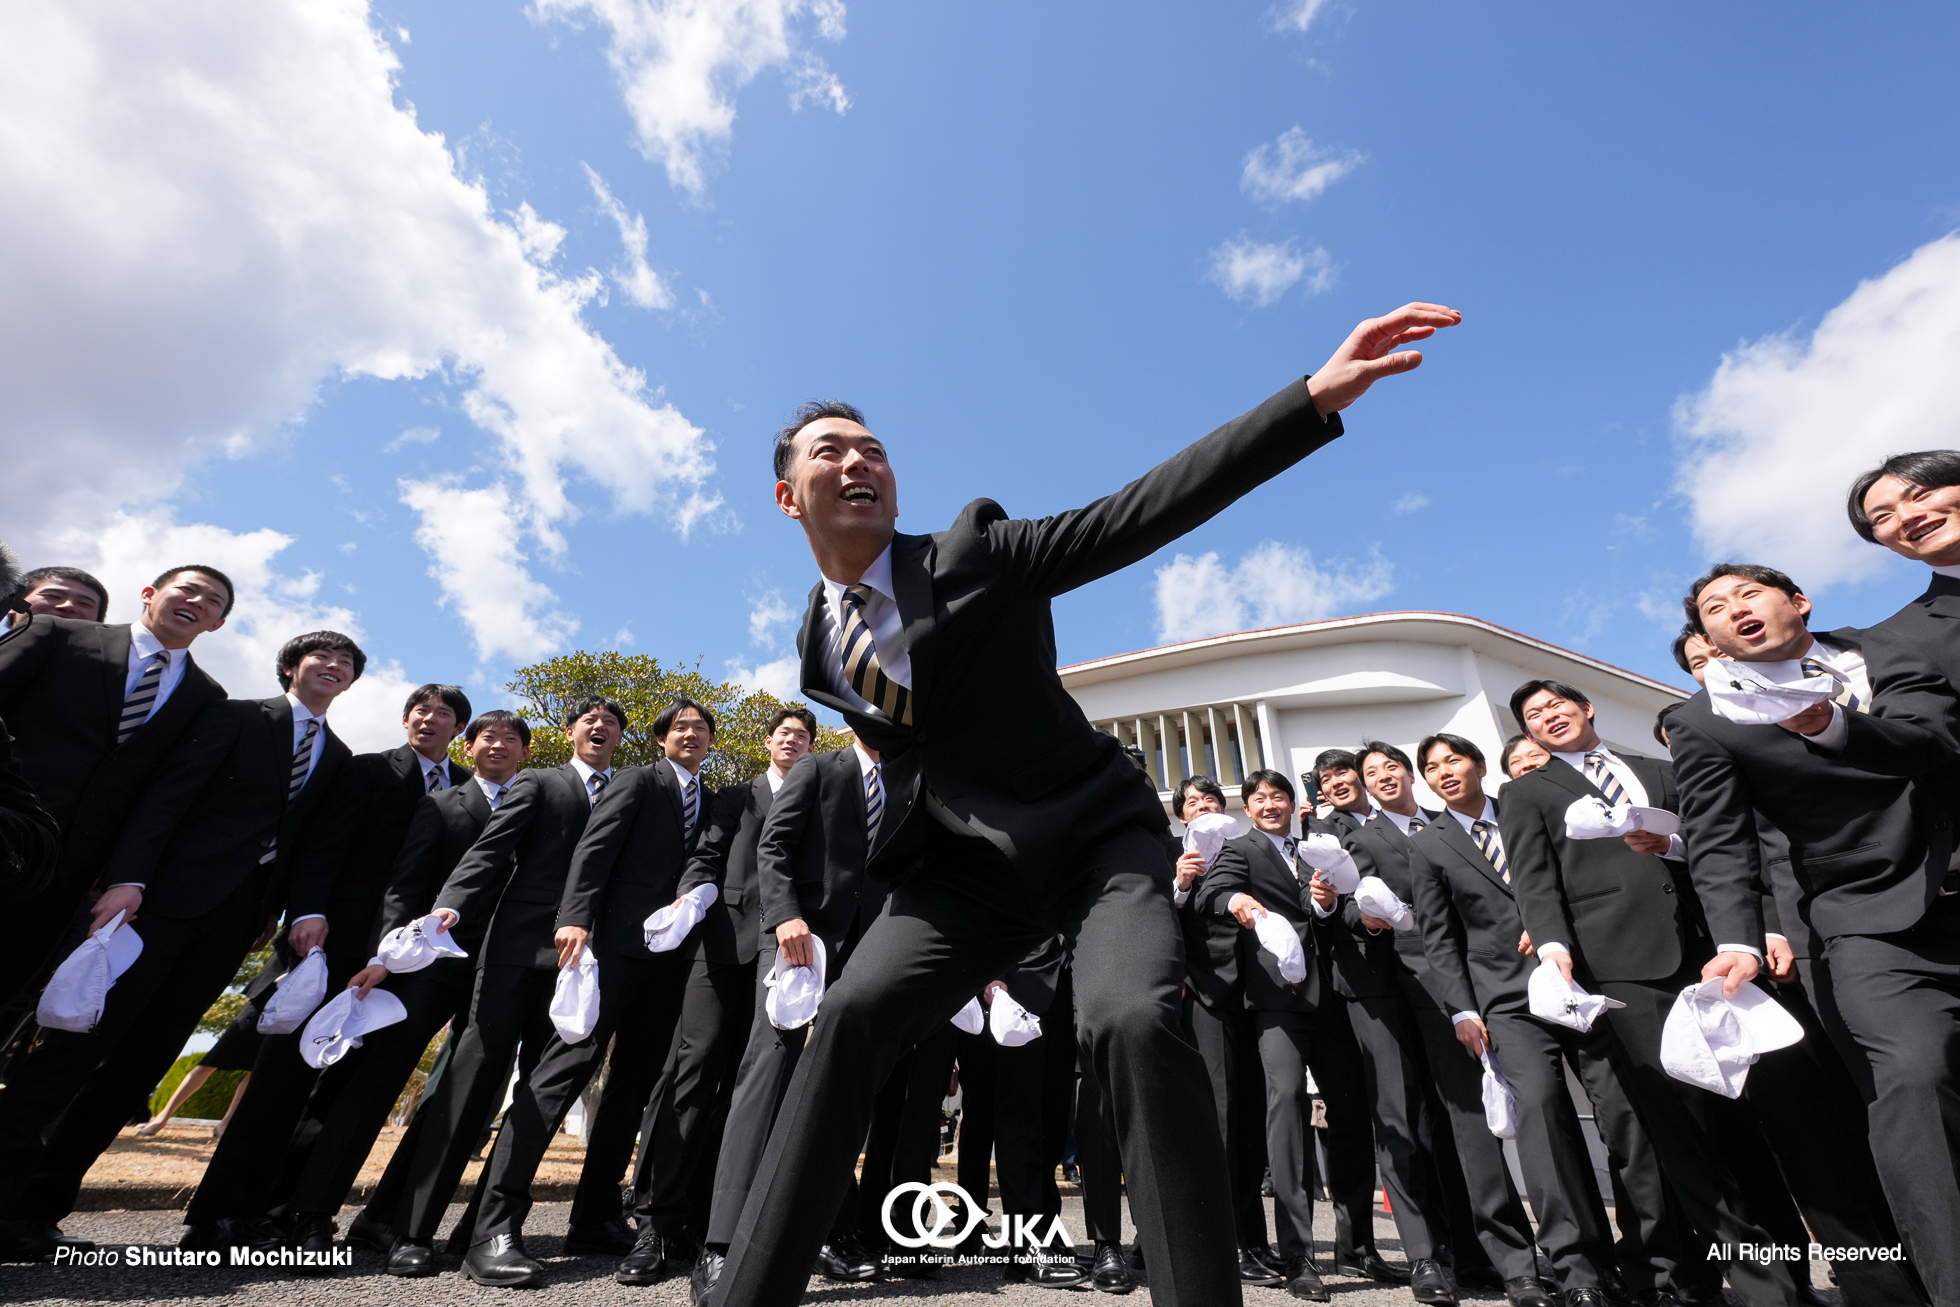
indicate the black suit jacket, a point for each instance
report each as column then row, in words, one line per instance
column 629, row 861
column 61, row 691
column 1866, row 848
column 725, row 857
column 1913, row 659
column 1467, row 922
column 363, row 819
column 810, row 857
column 1366, row 963
column 1249, row 864
column 515, row 872
column 444, row 826
column 1624, row 915
column 30, row 842
column 1214, row 969
column 216, row 804
column 974, row 602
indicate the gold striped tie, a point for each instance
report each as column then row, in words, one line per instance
column 861, row 667
column 1846, row 697
column 1606, row 781
column 1485, row 833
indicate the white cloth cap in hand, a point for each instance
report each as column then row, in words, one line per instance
column 75, row 995
column 1590, row 819
column 1712, row 1041
column 666, row 928
column 418, row 944
column 300, row 993
column 795, row 992
column 1012, row 1024
column 1325, row 855
column 1277, row 937
column 336, row 1029
column 972, row 1018
column 575, row 999
column 1763, row 694
column 1207, row 834
column 1564, row 1005
column 1374, row 897
column 1500, row 1104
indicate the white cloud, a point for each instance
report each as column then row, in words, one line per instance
column 1413, row 502
column 640, row 282
column 1298, row 15
column 781, row 678
column 413, row 436
column 471, row 538
column 766, row 614
column 1771, row 445
column 1273, row 585
column 1293, row 168
column 1259, row 272
column 681, row 63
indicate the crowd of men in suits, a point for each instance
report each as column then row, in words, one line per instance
column 940, row 866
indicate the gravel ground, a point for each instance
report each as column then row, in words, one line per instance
column 572, row 1279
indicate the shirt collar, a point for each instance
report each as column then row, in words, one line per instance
column 866, row 763
column 428, row 764
column 301, row 713
column 684, row 773
column 1577, row 760
column 491, row 789
column 585, row 773
column 775, row 781
column 1401, row 822
column 1951, row 569
column 143, row 641
column 1279, row 841
column 878, row 576
column 1490, row 814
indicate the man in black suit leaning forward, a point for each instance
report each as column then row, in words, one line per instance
column 996, row 838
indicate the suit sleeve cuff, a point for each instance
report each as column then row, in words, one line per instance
column 1552, row 949
column 1460, row 1017
column 1836, row 735
column 1755, row 953
column 1676, row 850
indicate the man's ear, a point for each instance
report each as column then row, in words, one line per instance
column 786, row 500
column 1801, row 602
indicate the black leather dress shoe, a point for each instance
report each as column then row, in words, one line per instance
column 1526, row 1291
column 1136, row 1257
column 1584, row 1298
column 313, row 1233
column 1254, row 1271
column 1302, row 1280
column 1048, row 1268
column 647, row 1262
column 612, row 1238
column 701, row 1280
column 28, row 1241
column 1485, row 1277
column 1370, row 1266
column 501, row 1263
column 841, row 1262
column 1111, row 1273
column 363, row 1233
column 411, row 1257
column 259, row 1235
column 1430, row 1283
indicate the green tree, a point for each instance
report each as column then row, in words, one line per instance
column 230, row 1003
column 639, row 684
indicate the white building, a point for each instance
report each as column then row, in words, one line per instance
column 1275, row 698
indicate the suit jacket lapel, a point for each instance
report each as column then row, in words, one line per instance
column 114, row 641
column 669, row 782
column 1466, row 848
column 1942, row 596
column 912, row 587
column 476, row 801
column 1568, row 777
column 809, row 645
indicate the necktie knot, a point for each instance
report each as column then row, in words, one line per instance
column 1289, row 847
column 435, row 779
column 1846, row 697
column 1603, row 778
column 1416, row 824
column 595, row 785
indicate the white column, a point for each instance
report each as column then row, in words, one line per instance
column 1268, row 738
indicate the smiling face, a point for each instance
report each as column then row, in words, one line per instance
column 60, row 597
column 1917, row 522
column 1559, row 724
column 1697, row 651
column 1270, row 808
column 1389, row 781
column 497, row 752
column 1197, row 803
column 1526, row 755
column 688, row 739
column 594, row 736
column 184, row 607
column 1343, row 789
column 1458, row 779
column 1753, row 621
column 431, row 725
column 322, row 674
column 788, row 742
column 840, row 486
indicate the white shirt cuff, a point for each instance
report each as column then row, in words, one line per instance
column 1755, row 953
column 1770, row 934
column 1318, row 911
column 1460, row 1017
column 129, row 884
column 1181, row 896
column 1551, row 949
column 311, row 916
column 1676, row 850
column 1836, row 735
column 376, row 962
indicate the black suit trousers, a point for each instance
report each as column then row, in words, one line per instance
column 1100, row 1159
column 1394, row 1072
column 1289, row 1044
column 35, row 929
column 681, row 1132
column 1034, row 1090
column 904, row 1139
column 640, row 1000
column 961, row 922
column 1229, row 1043
column 1347, row 1145
column 979, row 1063
column 66, row 1099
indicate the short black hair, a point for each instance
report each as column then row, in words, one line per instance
column 1533, row 686
column 499, row 717
column 1455, row 744
column 1267, row 776
column 1768, row 576
column 459, row 703
column 1928, row 469
column 1680, row 648
column 1336, row 760
column 9, row 572
column 75, row 574
column 202, row 569
column 799, row 712
column 1660, row 726
column 1511, row 747
column 1388, row 751
column 809, row 411
column 295, row 649
column 1202, row 784
column 664, row 722
column 588, row 703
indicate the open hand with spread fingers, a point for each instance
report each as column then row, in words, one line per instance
column 1370, row 353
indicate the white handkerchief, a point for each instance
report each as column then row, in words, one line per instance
column 1207, row 834
column 1012, row 1024
column 795, row 992
column 575, row 999
column 1763, row 694
column 1590, row 819
column 300, row 993
column 1277, row 937
column 418, row 944
column 1325, row 855
column 1561, row 1004
column 1712, row 1041
column 1375, row 898
column 80, row 986
column 336, row 1029
column 666, row 928
column 972, row 1018
column 1500, row 1104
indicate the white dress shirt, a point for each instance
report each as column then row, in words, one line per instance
column 1849, row 666
column 1497, row 841
column 432, row 765
column 867, row 766
column 1636, row 792
column 586, row 773
column 887, row 631
column 700, row 795
column 775, row 781
column 301, row 716
column 143, row 646
column 1401, row 822
column 493, row 791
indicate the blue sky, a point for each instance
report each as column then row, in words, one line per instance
column 998, row 229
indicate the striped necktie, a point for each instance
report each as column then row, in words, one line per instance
column 1845, row 698
column 874, row 803
column 861, row 667
column 437, row 781
column 595, row 785
column 1485, row 833
column 1608, row 783
column 1289, row 849
column 136, row 708
column 690, row 807
column 1416, row 823
column 302, row 763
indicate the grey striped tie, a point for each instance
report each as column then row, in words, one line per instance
column 861, row 667
column 691, row 805
column 1289, row 849
column 1608, row 783
column 1416, row 823
column 136, row 708
column 436, row 779
column 1485, row 833
column 595, row 785
column 302, row 763
column 1846, row 698
column 874, row 802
